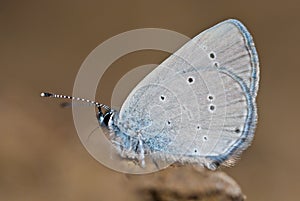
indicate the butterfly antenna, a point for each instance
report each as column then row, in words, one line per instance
column 98, row 105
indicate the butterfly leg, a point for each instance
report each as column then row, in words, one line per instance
column 141, row 151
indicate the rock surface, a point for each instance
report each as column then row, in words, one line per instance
column 185, row 184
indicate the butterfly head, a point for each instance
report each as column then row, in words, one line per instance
column 105, row 118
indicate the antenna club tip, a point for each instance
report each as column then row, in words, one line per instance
column 45, row 94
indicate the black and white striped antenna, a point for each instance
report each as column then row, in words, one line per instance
column 98, row 105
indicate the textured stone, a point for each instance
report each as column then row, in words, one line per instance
column 185, row 184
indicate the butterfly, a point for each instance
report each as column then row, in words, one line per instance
column 197, row 107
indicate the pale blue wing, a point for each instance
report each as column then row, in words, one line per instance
column 198, row 106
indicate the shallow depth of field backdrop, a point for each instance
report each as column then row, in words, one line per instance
column 42, row 45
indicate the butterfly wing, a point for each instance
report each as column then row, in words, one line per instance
column 234, row 49
column 198, row 106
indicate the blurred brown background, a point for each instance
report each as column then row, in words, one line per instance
column 42, row 45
